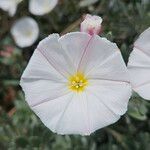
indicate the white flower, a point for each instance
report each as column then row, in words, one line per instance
column 41, row 7
column 10, row 6
column 76, row 83
column 139, row 65
column 25, row 31
column 91, row 24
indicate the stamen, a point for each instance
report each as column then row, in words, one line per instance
column 78, row 82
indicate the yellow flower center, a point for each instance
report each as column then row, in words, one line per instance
column 78, row 82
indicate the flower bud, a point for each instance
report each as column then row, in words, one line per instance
column 91, row 24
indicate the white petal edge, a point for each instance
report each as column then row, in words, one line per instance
column 53, row 51
column 74, row 44
column 41, row 77
column 139, row 70
column 96, row 52
column 142, row 42
column 75, row 114
column 51, row 111
column 113, row 94
column 112, row 68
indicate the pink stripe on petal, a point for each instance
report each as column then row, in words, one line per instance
column 84, row 53
column 49, row 99
column 52, row 64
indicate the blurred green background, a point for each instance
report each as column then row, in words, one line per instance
column 20, row 129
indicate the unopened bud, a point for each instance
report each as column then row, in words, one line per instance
column 91, row 24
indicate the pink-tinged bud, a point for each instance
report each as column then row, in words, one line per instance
column 91, row 24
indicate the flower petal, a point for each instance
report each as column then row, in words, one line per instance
column 41, row 91
column 139, row 69
column 51, row 111
column 74, row 45
column 84, row 114
column 75, row 114
column 40, row 69
column 103, row 60
column 74, row 119
column 139, row 65
column 143, row 41
column 143, row 90
column 41, row 77
column 41, row 7
column 112, row 68
column 98, row 113
column 113, row 94
column 96, row 52
column 52, row 50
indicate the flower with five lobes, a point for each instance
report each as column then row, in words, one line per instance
column 76, row 83
column 139, row 65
